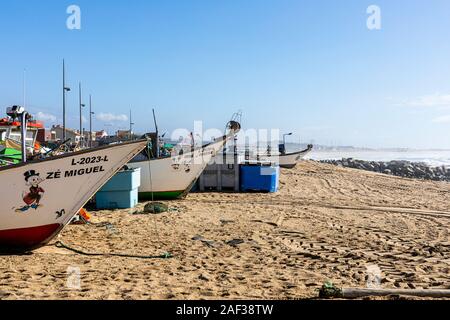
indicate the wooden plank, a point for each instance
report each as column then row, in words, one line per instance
column 352, row 293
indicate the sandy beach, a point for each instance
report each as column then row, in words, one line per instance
column 325, row 224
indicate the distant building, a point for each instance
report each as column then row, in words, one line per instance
column 101, row 135
column 87, row 135
column 124, row 134
column 108, row 140
column 73, row 135
column 45, row 135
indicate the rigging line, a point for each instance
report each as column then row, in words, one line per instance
column 150, row 155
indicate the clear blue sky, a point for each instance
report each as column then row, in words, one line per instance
column 311, row 67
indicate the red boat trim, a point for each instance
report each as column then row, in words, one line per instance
column 25, row 239
column 31, row 124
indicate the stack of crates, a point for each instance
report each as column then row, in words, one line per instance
column 121, row 192
column 222, row 175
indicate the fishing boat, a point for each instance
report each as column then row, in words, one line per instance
column 172, row 177
column 10, row 137
column 39, row 198
column 290, row 160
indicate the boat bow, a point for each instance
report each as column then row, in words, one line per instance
column 38, row 199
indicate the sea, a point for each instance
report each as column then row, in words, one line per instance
column 433, row 158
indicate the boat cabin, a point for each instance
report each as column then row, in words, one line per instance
column 10, row 133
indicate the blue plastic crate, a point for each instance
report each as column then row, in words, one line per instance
column 116, row 199
column 124, row 180
column 260, row 178
column 121, row 192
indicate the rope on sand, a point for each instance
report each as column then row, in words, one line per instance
column 62, row 245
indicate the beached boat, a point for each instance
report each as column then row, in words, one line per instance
column 39, row 198
column 290, row 160
column 10, row 137
column 174, row 176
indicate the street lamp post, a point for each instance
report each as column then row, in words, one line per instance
column 81, row 115
column 90, row 121
column 282, row 147
column 65, row 89
column 284, row 137
column 131, row 127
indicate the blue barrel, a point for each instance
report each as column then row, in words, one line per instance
column 260, row 177
column 121, row 192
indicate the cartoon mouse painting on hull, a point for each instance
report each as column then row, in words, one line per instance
column 33, row 197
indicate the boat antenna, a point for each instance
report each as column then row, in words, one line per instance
column 24, row 87
column 154, row 119
column 157, row 134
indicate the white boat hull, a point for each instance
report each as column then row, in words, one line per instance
column 38, row 199
column 289, row 161
column 173, row 177
column 170, row 178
